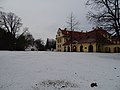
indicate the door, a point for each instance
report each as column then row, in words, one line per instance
column 90, row 48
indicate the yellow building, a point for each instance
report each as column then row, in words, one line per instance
column 97, row 40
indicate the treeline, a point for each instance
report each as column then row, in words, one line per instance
column 11, row 39
column 9, row 42
column 23, row 41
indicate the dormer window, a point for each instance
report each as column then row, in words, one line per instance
column 114, row 42
column 67, row 32
column 118, row 42
column 103, row 35
column 58, row 33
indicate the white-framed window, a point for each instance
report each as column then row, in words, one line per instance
column 118, row 42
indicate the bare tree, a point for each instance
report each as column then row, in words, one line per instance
column 72, row 22
column 106, row 13
column 72, row 25
column 10, row 22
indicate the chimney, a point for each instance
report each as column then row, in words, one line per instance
column 59, row 29
column 93, row 28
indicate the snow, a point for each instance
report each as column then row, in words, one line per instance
column 59, row 71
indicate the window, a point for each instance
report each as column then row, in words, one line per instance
column 74, row 42
column 107, row 50
column 60, row 40
column 64, row 40
column 104, row 35
column 116, row 49
column 58, row 33
column 85, row 47
column 114, row 42
column 118, row 42
column 67, row 32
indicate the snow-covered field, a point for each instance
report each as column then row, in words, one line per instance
column 59, row 71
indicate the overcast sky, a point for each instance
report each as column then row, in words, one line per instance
column 44, row 17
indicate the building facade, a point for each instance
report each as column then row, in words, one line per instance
column 97, row 40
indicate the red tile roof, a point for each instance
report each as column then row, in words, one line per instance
column 87, row 37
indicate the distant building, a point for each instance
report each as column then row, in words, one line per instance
column 97, row 40
column 31, row 48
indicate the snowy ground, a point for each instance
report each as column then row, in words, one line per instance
column 59, row 71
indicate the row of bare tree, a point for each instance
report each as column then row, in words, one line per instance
column 10, row 38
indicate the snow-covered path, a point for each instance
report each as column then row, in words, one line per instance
column 59, row 71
